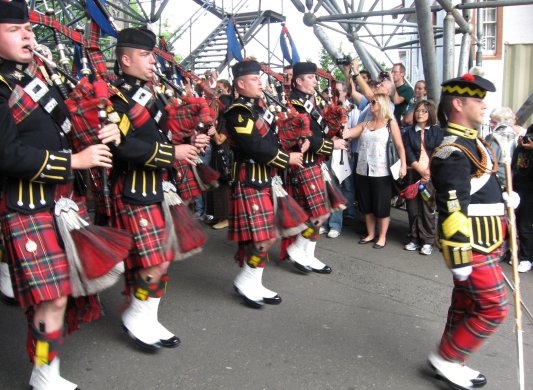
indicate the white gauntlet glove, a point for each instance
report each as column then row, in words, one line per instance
column 461, row 274
column 511, row 200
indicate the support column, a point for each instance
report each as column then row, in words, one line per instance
column 427, row 44
column 448, row 47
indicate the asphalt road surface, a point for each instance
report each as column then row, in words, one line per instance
column 368, row 325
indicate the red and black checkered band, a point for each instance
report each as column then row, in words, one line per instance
column 21, row 104
column 262, row 126
column 138, row 115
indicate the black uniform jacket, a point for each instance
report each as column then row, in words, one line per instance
column 145, row 152
column 255, row 144
column 319, row 144
column 469, row 199
column 34, row 150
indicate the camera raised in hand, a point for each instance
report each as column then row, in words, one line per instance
column 383, row 75
column 346, row 60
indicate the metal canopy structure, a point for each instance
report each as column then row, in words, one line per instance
column 367, row 24
column 354, row 19
column 73, row 14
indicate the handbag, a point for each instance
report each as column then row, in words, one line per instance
column 392, row 153
column 411, row 191
column 223, row 160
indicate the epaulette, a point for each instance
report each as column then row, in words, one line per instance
column 2, row 79
column 117, row 92
column 238, row 105
column 297, row 102
column 446, row 148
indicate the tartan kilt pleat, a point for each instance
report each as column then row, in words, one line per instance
column 187, row 186
column 36, row 257
column 306, row 186
column 146, row 224
column 251, row 216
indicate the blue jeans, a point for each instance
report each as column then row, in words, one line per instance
column 347, row 186
column 199, row 201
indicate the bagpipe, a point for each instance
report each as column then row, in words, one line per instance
column 188, row 116
column 333, row 113
column 90, row 108
column 293, row 127
column 95, row 253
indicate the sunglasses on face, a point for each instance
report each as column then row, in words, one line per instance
column 421, row 111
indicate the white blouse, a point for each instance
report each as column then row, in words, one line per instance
column 372, row 159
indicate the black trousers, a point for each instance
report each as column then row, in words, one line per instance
column 524, row 225
column 421, row 215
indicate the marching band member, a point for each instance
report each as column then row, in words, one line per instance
column 38, row 168
column 471, row 229
column 258, row 158
column 141, row 165
column 305, row 182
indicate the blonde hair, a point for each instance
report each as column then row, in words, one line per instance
column 385, row 111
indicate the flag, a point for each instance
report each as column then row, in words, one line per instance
column 234, row 47
column 100, row 18
column 285, row 49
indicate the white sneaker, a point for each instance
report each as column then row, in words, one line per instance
column 333, row 233
column 524, row 266
column 426, row 249
column 412, row 246
column 322, row 230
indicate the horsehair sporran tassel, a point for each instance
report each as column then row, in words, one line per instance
column 290, row 217
column 185, row 233
column 95, row 253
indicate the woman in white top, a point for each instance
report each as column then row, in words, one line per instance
column 373, row 176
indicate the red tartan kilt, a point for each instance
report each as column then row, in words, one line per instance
column 187, row 186
column 251, row 215
column 306, row 186
column 149, row 241
column 41, row 275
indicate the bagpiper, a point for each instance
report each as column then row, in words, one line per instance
column 258, row 159
column 306, row 183
column 37, row 169
column 471, row 229
column 139, row 182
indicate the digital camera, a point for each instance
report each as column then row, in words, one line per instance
column 346, row 60
column 383, row 75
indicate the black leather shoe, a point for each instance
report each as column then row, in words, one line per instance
column 172, row 342
column 477, row 382
column 480, row 381
column 304, row 268
column 248, row 301
column 362, row 241
column 377, row 246
column 326, row 270
column 8, row 300
column 272, row 301
column 151, row 348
